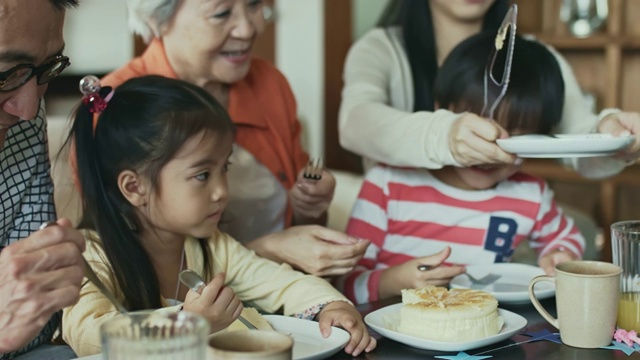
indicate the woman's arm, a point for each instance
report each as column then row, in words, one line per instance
column 371, row 127
column 309, row 199
column 377, row 121
column 313, row 249
column 265, row 284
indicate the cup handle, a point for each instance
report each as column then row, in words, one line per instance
column 536, row 303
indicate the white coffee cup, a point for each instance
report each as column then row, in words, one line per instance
column 587, row 295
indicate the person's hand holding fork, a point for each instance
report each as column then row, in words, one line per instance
column 311, row 195
column 39, row 275
column 216, row 302
column 418, row 273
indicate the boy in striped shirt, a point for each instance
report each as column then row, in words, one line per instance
column 462, row 216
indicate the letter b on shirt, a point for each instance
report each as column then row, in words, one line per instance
column 500, row 236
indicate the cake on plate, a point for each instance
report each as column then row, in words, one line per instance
column 456, row 315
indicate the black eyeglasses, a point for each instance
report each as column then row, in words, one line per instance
column 20, row 74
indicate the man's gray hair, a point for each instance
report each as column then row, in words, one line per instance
column 148, row 17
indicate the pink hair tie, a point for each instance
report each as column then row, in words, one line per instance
column 90, row 88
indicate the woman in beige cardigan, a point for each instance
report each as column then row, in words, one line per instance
column 389, row 75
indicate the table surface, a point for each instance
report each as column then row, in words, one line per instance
column 508, row 349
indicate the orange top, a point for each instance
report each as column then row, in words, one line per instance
column 261, row 106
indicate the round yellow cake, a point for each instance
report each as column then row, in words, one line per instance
column 455, row 315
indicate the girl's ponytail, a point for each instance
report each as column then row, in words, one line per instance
column 87, row 156
column 102, row 212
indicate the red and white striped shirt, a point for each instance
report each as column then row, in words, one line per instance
column 408, row 213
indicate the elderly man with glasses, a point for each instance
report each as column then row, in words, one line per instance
column 40, row 270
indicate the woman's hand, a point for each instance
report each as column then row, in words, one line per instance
column 310, row 199
column 472, row 141
column 313, row 249
column 623, row 124
column 549, row 261
column 345, row 315
column 407, row 275
column 216, row 302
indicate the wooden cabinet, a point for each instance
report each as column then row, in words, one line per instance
column 607, row 66
column 607, row 63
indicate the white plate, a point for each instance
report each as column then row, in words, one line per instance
column 564, row 146
column 513, row 285
column 386, row 320
column 308, row 343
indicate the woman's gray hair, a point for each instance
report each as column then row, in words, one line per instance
column 148, row 17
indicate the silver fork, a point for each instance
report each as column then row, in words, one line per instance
column 485, row 280
column 481, row 282
column 314, row 168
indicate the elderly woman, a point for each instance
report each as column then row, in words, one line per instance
column 209, row 43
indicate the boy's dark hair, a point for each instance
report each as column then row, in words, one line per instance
column 64, row 4
column 414, row 17
column 144, row 125
column 535, row 96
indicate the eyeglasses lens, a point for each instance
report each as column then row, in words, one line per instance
column 52, row 70
column 16, row 78
column 20, row 74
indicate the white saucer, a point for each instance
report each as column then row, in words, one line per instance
column 308, row 343
column 513, row 285
column 564, row 146
column 385, row 322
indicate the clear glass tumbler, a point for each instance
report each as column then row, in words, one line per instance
column 155, row 335
column 625, row 242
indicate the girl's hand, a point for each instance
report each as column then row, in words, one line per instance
column 217, row 303
column 407, row 275
column 549, row 261
column 345, row 315
column 311, row 198
column 623, row 124
column 472, row 141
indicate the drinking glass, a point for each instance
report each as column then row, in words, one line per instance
column 625, row 242
column 155, row 335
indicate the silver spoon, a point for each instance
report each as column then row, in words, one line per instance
column 193, row 281
column 88, row 272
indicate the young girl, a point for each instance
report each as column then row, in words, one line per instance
column 470, row 215
column 153, row 179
